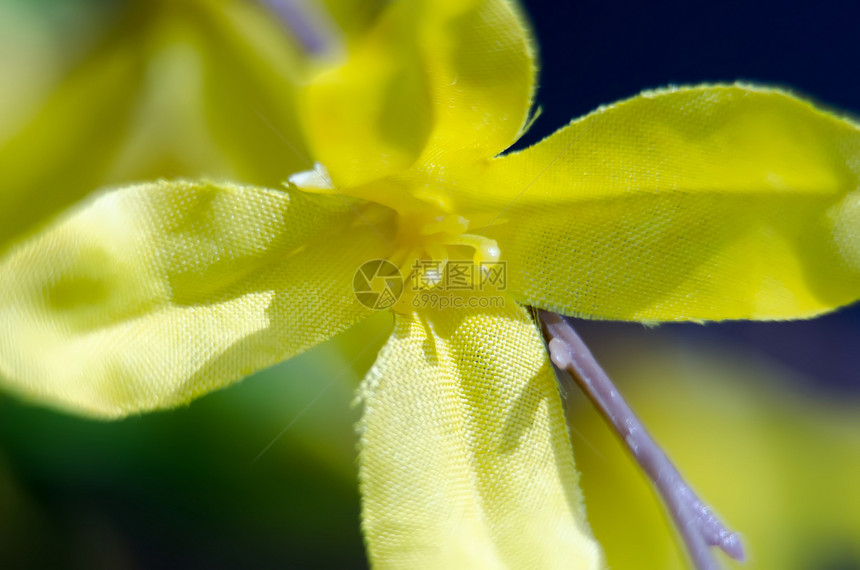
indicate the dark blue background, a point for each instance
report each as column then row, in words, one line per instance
column 596, row 52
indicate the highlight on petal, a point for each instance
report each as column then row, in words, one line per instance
column 431, row 78
column 464, row 459
column 726, row 202
column 154, row 294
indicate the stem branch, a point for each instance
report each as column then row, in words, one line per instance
column 699, row 527
column 304, row 23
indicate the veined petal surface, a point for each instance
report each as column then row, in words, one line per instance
column 433, row 78
column 701, row 203
column 154, row 294
column 465, row 459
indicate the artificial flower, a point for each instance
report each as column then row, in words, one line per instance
column 699, row 203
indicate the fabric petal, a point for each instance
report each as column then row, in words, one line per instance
column 251, row 75
column 64, row 151
column 465, row 460
column 700, row 203
column 154, row 294
column 170, row 89
column 432, row 78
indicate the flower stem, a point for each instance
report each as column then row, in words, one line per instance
column 305, row 24
column 699, row 527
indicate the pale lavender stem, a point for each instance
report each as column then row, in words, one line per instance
column 305, row 24
column 698, row 526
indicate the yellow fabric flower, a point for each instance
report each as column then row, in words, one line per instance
column 164, row 88
column 684, row 204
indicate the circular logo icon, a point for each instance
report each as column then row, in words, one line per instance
column 377, row 284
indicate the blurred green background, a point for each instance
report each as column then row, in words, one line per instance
column 764, row 419
column 211, row 485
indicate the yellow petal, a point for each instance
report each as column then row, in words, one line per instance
column 64, row 151
column 172, row 89
column 250, row 76
column 152, row 295
column 465, row 458
column 704, row 203
column 448, row 78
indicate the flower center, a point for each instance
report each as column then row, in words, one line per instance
column 428, row 234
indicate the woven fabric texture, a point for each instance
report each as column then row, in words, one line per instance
column 155, row 294
column 434, row 80
column 727, row 202
column 687, row 204
column 465, row 457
